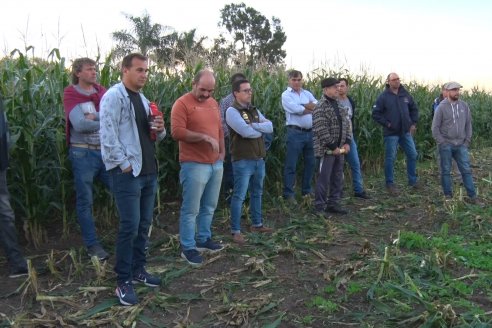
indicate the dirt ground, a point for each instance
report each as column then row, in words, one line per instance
column 269, row 282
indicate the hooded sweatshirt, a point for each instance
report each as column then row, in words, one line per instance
column 452, row 123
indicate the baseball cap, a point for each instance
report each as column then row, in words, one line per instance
column 331, row 81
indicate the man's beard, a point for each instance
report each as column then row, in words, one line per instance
column 454, row 98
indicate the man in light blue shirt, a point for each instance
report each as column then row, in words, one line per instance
column 298, row 105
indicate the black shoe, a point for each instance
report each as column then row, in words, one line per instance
column 98, row 251
column 336, row 209
column 146, row 278
column 362, row 195
column 126, row 293
column 19, row 272
column 320, row 213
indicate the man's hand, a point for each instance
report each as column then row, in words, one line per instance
column 310, row 106
column 90, row 116
column 336, row 151
column 158, row 124
column 413, row 128
column 214, row 143
column 127, row 170
column 347, row 148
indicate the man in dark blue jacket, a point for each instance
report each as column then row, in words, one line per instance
column 396, row 111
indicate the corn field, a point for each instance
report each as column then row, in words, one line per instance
column 40, row 180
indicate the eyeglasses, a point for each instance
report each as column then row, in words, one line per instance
column 296, row 79
column 247, row 90
column 394, row 80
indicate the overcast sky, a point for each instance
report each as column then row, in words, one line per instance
column 427, row 41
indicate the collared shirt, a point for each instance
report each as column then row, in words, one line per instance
column 293, row 103
column 248, row 130
column 225, row 103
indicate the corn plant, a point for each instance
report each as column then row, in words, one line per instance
column 40, row 179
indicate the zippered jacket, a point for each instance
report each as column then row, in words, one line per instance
column 395, row 112
column 452, row 123
column 120, row 143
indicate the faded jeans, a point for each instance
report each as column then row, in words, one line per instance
column 201, row 187
column 87, row 165
column 248, row 174
column 352, row 158
column 460, row 155
column 391, row 147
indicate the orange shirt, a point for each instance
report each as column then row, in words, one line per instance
column 202, row 117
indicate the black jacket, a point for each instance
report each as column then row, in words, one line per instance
column 395, row 112
column 4, row 139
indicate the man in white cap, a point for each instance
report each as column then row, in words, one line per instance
column 452, row 129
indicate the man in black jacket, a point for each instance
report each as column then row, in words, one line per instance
column 397, row 112
column 8, row 234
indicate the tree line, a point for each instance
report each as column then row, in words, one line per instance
column 251, row 39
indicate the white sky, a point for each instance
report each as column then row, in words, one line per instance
column 430, row 41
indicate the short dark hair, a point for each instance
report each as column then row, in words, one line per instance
column 343, row 79
column 127, row 60
column 294, row 73
column 77, row 66
column 237, row 77
column 236, row 86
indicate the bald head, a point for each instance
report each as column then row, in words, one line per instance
column 203, row 85
column 393, row 80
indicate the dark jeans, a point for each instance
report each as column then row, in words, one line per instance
column 87, row 165
column 298, row 142
column 330, row 178
column 228, row 176
column 135, row 198
column 8, row 233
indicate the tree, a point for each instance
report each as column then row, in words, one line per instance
column 143, row 36
column 259, row 39
column 161, row 43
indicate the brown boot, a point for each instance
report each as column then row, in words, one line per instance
column 261, row 229
column 392, row 190
column 238, row 238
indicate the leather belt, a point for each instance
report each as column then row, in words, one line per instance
column 299, row 128
column 87, row 146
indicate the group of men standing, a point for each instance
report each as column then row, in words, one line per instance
column 112, row 133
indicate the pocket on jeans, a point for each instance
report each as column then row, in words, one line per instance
column 77, row 154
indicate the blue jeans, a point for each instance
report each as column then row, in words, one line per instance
column 87, row 165
column 298, row 142
column 135, row 200
column 460, row 155
column 391, row 147
column 8, row 231
column 228, row 177
column 201, row 188
column 248, row 174
column 352, row 158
